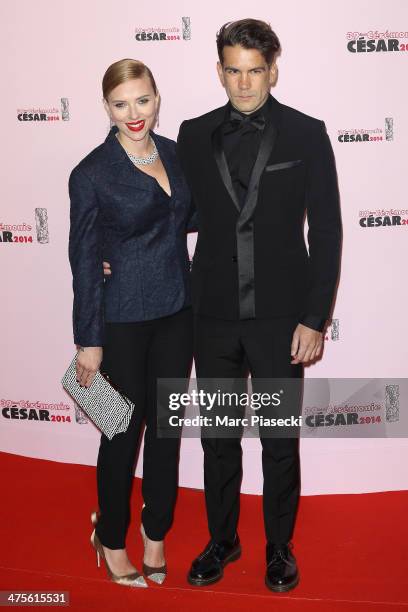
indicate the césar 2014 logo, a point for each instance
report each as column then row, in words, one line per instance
column 22, row 233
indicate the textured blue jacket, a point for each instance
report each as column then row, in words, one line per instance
column 121, row 215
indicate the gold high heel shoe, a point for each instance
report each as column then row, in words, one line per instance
column 155, row 574
column 133, row 580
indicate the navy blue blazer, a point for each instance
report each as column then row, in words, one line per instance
column 121, row 215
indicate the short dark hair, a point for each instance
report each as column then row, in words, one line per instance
column 250, row 34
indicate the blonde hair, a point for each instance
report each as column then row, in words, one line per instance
column 122, row 71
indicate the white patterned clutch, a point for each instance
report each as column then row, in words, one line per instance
column 107, row 407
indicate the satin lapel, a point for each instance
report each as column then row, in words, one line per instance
column 245, row 227
column 267, row 144
column 221, row 161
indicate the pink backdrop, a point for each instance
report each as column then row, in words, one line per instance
column 61, row 51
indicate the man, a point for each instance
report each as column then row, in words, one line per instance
column 261, row 299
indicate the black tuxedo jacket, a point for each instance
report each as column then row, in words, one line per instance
column 253, row 262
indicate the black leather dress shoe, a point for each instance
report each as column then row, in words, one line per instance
column 281, row 570
column 209, row 566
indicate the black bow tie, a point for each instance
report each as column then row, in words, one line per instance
column 237, row 121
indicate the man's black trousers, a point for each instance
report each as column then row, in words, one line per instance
column 229, row 350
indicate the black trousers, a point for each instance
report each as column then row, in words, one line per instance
column 229, row 349
column 135, row 355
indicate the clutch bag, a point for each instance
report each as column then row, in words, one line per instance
column 108, row 408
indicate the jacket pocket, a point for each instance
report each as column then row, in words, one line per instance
column 283, row 165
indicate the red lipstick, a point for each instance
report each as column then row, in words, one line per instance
column 136, row 126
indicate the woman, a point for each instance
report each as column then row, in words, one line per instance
column 130, row 206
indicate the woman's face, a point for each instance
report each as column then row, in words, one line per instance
column 132, row 106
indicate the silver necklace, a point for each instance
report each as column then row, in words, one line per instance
column 144, row 161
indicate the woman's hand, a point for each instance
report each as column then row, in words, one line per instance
column 89, row 359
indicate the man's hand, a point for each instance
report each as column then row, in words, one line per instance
column 88, row 362
column 306, row 344
column 106, row 268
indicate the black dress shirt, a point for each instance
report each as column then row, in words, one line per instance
column 241, row 140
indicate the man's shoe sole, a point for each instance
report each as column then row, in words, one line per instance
column 205, row 581
column 282, row 588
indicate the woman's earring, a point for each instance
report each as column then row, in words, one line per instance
column 158, row 120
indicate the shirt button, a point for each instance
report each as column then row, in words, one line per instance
column 234, row 258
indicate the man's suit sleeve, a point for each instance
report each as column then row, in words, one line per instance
column 85, row 256
column 182, row 152
column 324, row 234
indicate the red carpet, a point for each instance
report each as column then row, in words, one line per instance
column 351, row 549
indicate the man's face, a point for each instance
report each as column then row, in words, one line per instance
column 246, row 76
